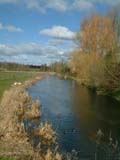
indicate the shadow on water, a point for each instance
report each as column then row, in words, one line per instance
column 76, row 113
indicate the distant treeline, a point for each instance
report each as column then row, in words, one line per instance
column 59, row 67
column 22, row 67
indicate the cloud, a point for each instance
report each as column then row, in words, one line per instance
column 60, row 5
column 35, row 5
column 32, row 53
column 10, row 28
column 9, row 1
column 59, row 32
column 41, row 6
column 56, row 42
column 65, row 6
column 82, row 5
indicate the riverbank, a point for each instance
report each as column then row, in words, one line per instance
column 15, row 108
column 7, row 78
column 98, row 90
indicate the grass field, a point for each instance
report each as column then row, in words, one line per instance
column 8, row 78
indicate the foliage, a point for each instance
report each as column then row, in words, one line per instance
column 4, row 66
column 114, row 15
column 98, row 36
column 14, row 141
column 88, row 68
column 60, row 67
column 112, row 78
column 47, row 134
column 96, row 63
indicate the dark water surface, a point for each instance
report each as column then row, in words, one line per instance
column 76, row 113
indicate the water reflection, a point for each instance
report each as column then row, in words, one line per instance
column 96, row 111
column 76, row 113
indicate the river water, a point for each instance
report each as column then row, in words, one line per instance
column 76, row 113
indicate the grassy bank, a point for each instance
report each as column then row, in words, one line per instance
column 15, row 142
column 8, row 78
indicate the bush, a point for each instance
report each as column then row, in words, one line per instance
column 89, row 68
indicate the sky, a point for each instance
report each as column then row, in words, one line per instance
column 43, row 31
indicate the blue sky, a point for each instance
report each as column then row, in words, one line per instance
column 43, row 31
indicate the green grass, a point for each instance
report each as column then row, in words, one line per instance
column 8, row 78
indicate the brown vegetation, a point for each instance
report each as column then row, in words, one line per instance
column 17, row 106
column 46, row 133
column 96, row 62
column 14, row 140
column 88, row 68
column 98, row 35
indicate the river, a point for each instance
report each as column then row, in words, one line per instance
column 76, row 113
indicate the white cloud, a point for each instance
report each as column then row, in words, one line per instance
column 32, row 53
column 10, row 28
column 82, row 5
column 64, row 5
column 35, row 5
column 59, row 32
column 60, row 5
column 56, row 42
column 41, row 6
